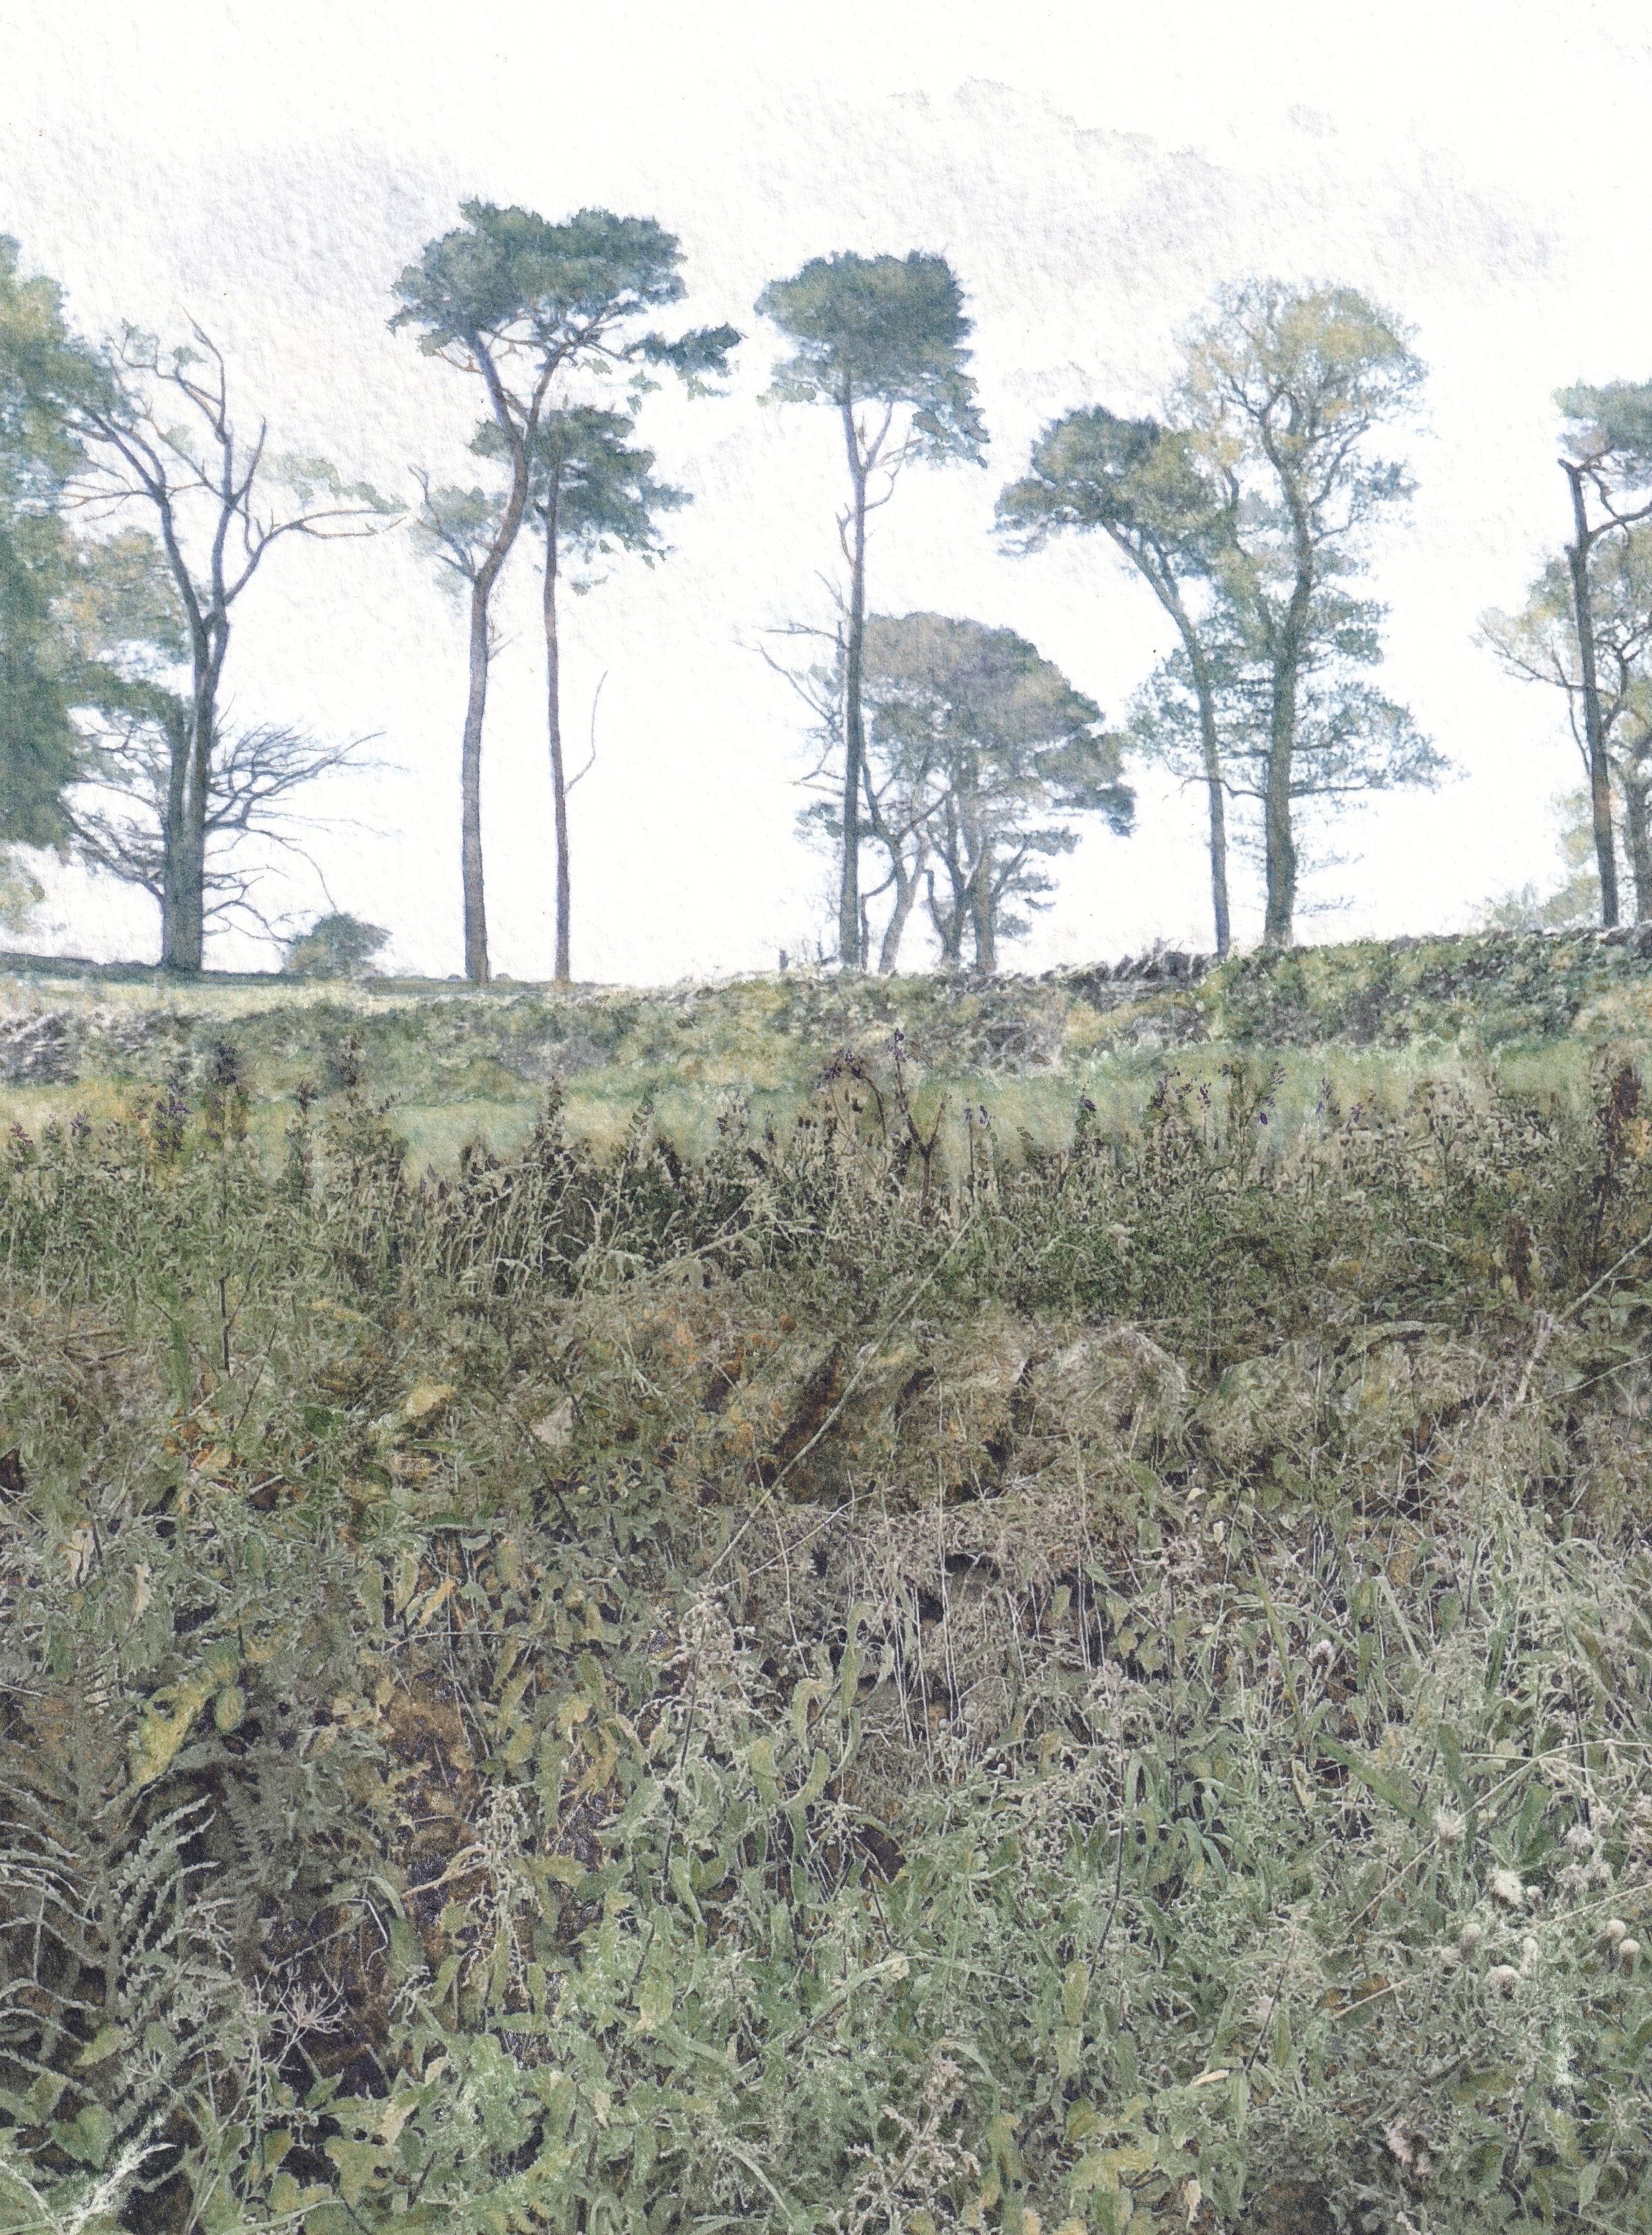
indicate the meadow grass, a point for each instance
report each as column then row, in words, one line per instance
column 787, row 1658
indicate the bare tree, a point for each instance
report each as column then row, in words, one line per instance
column 120, row 814
column 207, row 486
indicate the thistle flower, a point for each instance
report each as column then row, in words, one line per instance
column 1448, row 1827
column 1505, row 1887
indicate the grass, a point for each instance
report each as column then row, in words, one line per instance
column 787, row 1660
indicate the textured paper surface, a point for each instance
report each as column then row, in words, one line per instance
column 1091, row 171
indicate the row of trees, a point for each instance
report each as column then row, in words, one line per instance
column 953, row 760
column 1246, row 510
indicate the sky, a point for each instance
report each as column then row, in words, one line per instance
column 1093, row 173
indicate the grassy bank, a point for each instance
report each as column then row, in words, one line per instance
column 453, row 1065
column 872, row 1679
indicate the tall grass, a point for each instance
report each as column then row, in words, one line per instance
column 875, row 1676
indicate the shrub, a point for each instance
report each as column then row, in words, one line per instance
column 336, row 947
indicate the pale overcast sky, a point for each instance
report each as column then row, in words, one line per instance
column 1092, row 171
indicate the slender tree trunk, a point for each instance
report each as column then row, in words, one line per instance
column 849, row 900
column 470, row 870
column 554, row 712
column 1279, row 840
column 1638, row 837
column 1156, row 569
column 1279, row 837
column 1216, row 792
column 1600, row 774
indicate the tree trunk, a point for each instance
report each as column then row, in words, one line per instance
column 1285, row 646
column 1638, row 837
column 554, row 712
column 482, row 591
column 1279, row 839
column 849, row 890
column 1600, row 774
column 173, row 909
column 183, row 910
column 982, row 911
column 982, row 897
column 1155, row 568
column 476, row 903
column 906, row 899
column 1214, row 790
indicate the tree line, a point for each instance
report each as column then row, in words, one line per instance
column 953, row 760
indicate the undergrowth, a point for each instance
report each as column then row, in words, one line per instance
column 857, row 1684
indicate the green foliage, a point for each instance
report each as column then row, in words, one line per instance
column 1500, row 989
column 1139, row 482
column 593, row 490
column 1283, row 391
column 881, row 330
column 510, row 277
column 848, row 1681
column 974, row 725
column 336, row 947
column 44, row 372
column 1611, row 424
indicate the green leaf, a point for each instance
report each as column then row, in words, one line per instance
column 104, row 2042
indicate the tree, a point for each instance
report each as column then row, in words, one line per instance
column 1610, row 443
column 1283, row 390
column 122, row 811
column 1143, row 486
column 208, row 488
column 1607, row 694
column 44, row 376
column 518, row 303
column 881, row 340
column 590, row 493
column 899, row 793
column 336, row 947
column 976, row 721
column 1346, row 739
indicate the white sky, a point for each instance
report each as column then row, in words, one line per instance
column 1092, row 171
